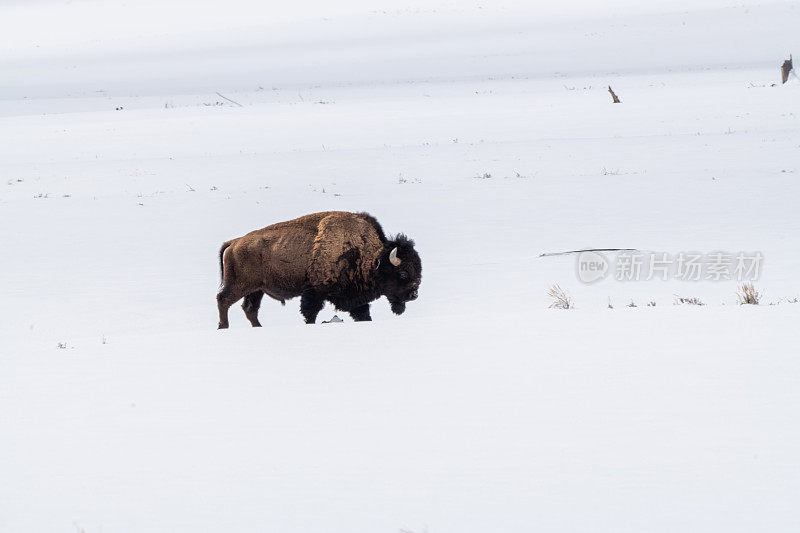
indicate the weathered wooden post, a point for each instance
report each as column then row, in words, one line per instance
column 787, row 66
column 614, row 96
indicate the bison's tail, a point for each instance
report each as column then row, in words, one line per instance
column 221, row 263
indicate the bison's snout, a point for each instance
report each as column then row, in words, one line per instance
column 411, row 295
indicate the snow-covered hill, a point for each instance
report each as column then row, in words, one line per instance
column 136, row 139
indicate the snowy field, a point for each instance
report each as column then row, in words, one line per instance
column 134, row 140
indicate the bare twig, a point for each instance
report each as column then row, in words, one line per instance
column 228, row 99
column 548, row 254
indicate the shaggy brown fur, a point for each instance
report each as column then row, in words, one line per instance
column 335, row 256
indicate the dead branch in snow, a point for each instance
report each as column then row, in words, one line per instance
column 228, row 99
column 614, row 96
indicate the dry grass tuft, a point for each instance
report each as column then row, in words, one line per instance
column 607, row 172
column 679, row 300
column 748, row 295
column 561, row 300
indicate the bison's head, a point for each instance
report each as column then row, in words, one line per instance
column 399, row 272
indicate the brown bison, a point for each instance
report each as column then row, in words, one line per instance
column 343, row 258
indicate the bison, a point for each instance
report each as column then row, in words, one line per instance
column 344, row 258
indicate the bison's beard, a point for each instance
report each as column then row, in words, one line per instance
column 398, row 307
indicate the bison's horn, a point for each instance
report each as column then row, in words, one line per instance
column 393, row 259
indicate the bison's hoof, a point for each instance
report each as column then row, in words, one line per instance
column 398, row 308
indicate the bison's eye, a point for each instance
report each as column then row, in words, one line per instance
column 403, row 275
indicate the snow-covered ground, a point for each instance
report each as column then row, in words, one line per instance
column 124, row 166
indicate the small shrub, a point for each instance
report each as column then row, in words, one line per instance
column 561, row 300
column 787, row 300
column 748, row 295
column 401, row 180
column 609, row 303
column 632, row 304
column 679, row 300
column 651, row 303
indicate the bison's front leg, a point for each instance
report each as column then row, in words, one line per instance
column 361, row 313
column 311, row 304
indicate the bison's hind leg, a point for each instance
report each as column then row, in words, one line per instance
column 311, row 304
column 250, row 305
column 225, row 299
